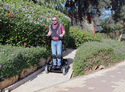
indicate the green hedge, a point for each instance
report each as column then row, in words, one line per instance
column 26, row 22
column 118, row 47
column 14, row 59
column 92, row 54
column 89, row 55
column 78, row 36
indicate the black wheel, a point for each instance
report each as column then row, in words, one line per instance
column 47, row 68
column 64, row 70
column 65, row 61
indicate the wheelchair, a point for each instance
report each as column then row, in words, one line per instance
column 64, row 63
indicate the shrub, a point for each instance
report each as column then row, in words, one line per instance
column 78, row 36
column 14, row 59
column 113, row 43
column 118, row 47
column 26, row 22
column 91, row 54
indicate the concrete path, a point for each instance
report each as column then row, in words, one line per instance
column 43, row 80
column 107, row 80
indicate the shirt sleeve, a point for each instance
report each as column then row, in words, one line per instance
column 62, row 27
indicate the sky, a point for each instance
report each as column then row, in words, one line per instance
column 106, row 14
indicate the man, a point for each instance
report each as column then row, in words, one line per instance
column 56, row 31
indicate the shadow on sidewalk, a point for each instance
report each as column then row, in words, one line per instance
column 67, row 52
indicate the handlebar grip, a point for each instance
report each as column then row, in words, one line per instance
column 46, row 37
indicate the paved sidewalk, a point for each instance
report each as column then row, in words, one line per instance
column 43, row 80
column 107, row 80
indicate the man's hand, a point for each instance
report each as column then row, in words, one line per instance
column 61, row 35
column 47, row 35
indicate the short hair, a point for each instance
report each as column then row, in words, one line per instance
column 54, row 16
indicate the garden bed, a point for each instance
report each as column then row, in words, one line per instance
column 18, row 62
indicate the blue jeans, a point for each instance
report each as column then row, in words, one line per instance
column 56, row 48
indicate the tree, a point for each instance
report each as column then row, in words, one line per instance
column 53, row 4
column 79, row 9
column 118, row 6
column 105, row 24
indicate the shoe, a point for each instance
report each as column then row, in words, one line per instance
column 54, row 66
column 58, row 66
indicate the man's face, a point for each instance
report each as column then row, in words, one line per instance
column 54, row 20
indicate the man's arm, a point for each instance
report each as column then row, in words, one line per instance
column 63, row 31
column 49, row 33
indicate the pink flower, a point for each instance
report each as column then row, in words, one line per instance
column 46, row 27
column 24, row 43
column 48, row 15
column 8, row 15
column 11, row 15
column 19, row 15
column 58, row 14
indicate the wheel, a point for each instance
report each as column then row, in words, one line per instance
column 47, row 68
column 64, row 70
column 65, row 61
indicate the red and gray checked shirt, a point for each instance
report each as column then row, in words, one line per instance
column 59, row 30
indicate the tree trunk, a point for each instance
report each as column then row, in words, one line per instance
column 119, row 39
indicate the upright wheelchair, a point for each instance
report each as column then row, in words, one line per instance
column 64, row 63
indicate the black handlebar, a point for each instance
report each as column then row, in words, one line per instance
column 49, row 37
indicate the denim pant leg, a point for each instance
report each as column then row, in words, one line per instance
column 53, row 49
column 59, row 51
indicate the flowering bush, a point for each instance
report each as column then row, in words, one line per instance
column 14, row 59
column 92, row 54
column 26, row 22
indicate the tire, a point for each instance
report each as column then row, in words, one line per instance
column 47, row 69
column 65, row 61
column 64, row 70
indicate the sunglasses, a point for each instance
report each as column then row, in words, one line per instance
column 54, row 20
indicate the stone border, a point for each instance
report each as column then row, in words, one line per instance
column 25, row 74
column 15, row 85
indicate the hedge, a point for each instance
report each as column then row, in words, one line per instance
column 89, row 55
column 78, row 37
column 118, row 47
column 14, row 59
column 92, row 54
column 26, row 22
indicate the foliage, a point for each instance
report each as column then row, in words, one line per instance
column 54, row 4
column 118, row 47
column 14, row 59
column 78, row 36
column 105, row 24
column 91, row 8
column 92, row 54
column 26, row 22
column 118, row 12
